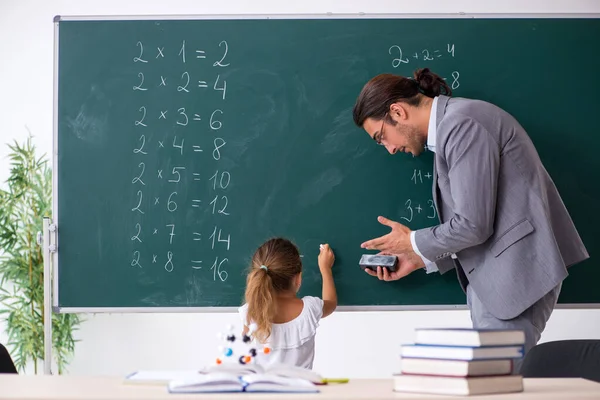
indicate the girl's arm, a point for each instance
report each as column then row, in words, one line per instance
column 326, row 260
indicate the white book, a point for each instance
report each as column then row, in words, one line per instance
column 460, row 353
column 458, row 386
column 469, row 337
column 425, row 366
column 159, row 377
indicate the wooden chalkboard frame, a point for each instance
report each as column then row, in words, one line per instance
column 51, row 237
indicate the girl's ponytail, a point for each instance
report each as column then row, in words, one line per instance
column 260, row 296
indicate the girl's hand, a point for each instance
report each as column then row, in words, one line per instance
column 326, row 258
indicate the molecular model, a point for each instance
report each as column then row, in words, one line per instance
column 248, row 352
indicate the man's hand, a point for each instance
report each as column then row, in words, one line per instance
column 407, row 263
column 396, row 242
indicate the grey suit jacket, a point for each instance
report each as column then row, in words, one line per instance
column 499, row 210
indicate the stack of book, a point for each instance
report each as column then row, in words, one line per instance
column 461, row 362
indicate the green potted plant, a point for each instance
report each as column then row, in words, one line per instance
column 24, row 202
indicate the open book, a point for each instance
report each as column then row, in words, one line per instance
column 281, row 370
column 228, row 374
column 217, row 382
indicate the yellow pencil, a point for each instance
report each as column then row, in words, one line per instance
column 335, row 380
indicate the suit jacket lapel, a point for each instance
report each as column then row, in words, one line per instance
column 441, row 110
column 435, row 191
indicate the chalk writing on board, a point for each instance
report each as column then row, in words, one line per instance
column 451, row 49
column 223, row 86
column 172, row 226
column 185, row 77
column 419, row 177
column 216, row 267
column 176, row 174
column 214, row 123
column 455, row 83
column 422, row 210
column 417, row 210
column 223, row 180
column 400, row 56
column 141, row 149
column 432, row 211
column 171, row 204
column 141, row 121
column 422, row 57
column 169, row 264
column 163, row 169
column 408, row 205
column 141, row 197
column 220, row 62
column 139, row 177
column 179, row 146
column 136, row 259
column 182, row 51
column 139, row 87
column 139, row 58
column 219, row 142
column 413, row 209
column 137, row 235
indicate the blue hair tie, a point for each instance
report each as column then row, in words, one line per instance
column 264, row 267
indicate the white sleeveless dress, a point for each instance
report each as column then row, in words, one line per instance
column 292, row 342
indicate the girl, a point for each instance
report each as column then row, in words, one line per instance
column 284, row 322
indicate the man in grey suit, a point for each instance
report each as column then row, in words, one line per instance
column 503, row 225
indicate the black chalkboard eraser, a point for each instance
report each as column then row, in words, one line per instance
column 372, row 261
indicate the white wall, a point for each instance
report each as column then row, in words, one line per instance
column 349, row 344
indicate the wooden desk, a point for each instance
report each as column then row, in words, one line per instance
column 43, row 387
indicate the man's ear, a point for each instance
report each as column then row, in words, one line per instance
column 398, row 111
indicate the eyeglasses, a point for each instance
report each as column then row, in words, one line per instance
column 379, row 136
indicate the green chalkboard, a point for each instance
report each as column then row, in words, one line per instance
column 182, row 145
